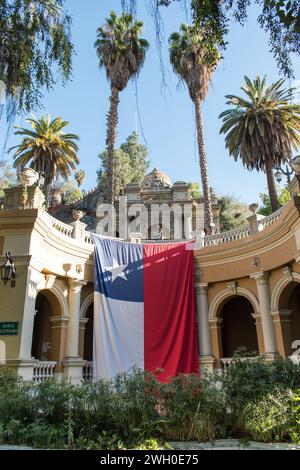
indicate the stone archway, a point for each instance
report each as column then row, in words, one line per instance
column 287, row 318
column 215, row 318
column 88, row 334
column 47, row 307
column 87, row 326
column 237, row 326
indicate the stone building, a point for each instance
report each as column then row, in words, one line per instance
column 155, row 189
column 247, row 285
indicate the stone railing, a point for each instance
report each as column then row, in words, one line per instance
column 270, row 219
column 227, row 237
column 209, row 240
column 43, row 371
column 242, row 233
column 61, row 227
column 88, row 238
column 87, row 372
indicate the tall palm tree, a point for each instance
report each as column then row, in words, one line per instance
column 121, row 52
column 194, row 55
column 47, row 149
column 263, row 128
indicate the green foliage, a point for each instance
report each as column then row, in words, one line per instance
column 194, row 190
column 194, row 408
column 280, row 19
column 138, row 157
column 296, row 413
column 8, row 177
column 68, row 189
column 47, row 148
column 194, row 55
column 34, row 37
column 263, row 126
column 253, row 400
column 255, row 384
column 284, row 196
column 120, row 48
column 233, row 213
column 130, row 165
column 80, row 177
column 269, row 419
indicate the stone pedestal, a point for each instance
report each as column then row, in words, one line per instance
column 206, row 364
column 22, row 197
column 73, row 369
column 24, row 368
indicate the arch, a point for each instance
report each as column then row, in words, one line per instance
column 59, row 296
column 46, row 306
column 288, row 278
column 86, row 304
column 226, row 295
column 238, row 326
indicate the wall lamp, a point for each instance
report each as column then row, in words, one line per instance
column 8, row 271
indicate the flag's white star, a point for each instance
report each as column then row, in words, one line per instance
column 117, row 271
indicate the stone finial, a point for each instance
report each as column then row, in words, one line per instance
column 253, row 207
column 28, row 176
column 77, row 214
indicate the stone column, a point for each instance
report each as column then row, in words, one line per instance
column 216, row 340
column 283, row 331
column 26, row 361
column 206, row 359
column 259, row 333
column 73, row 363
column 59, row 326
column 82, row 326
column 264, row 297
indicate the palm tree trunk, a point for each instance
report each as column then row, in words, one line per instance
column 271, row 186
column 112, row 124
column 208, row 213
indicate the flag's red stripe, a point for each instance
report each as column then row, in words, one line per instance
column 169, row 309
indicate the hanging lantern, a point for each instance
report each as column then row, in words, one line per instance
column 8, row 271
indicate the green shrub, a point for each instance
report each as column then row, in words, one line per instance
column 194, row 408
column 295, row 433
column 270, row 418
column 253, row 400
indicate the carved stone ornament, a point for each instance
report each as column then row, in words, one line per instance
column 77, row 214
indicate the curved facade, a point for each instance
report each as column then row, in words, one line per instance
column 247, row 284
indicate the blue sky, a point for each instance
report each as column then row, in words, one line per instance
column 167, row 122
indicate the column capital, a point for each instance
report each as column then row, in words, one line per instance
column 256, row 316
column 75, row 285
column 261, row 277
column 83, row 322
column 215, row 322
column 59, row 321
column 201, row 287
column 282, row 315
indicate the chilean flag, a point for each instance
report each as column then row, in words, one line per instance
column 144, row 309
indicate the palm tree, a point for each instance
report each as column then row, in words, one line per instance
column 121, row 52
column 47, row 149
column 80, row 177
column 262, row 129
column 194, row 55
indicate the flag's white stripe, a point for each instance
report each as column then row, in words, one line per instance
column 118, row 336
